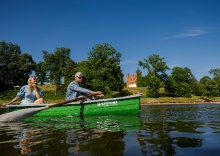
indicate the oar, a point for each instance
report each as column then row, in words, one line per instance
column 24, row 113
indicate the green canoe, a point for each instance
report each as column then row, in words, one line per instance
column 128, row 105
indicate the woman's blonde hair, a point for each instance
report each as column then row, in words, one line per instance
column 30, row 83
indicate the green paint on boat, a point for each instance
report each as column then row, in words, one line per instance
column 128, row 105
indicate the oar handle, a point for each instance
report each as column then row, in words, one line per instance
column 72, row 100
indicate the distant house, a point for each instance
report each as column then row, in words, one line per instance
column 131, row 80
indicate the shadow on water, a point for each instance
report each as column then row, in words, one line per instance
column 159, row 130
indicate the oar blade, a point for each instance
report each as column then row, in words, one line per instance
column 20, row 114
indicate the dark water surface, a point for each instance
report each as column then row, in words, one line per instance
column 159, row 130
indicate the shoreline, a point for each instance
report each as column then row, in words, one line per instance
column 176, row 103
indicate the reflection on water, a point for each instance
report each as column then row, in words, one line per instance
column 159, row 130
column 21, row 137
column 95, row 135
column 180, row 130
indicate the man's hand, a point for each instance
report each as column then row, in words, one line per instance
column 4, row 105
column 100, row 95
column 97, row 93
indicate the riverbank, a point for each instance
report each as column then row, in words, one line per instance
column 50, row 96
column 151, row 101
column 176, row 103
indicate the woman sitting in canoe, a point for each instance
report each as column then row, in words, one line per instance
column 74, row 90
column 30, row 93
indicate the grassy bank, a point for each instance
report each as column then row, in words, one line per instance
column 51, row 96
column 166, row 99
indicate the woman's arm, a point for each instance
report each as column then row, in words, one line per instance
column 12, row 101
column 36, row 90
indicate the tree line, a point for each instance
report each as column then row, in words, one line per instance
column 181, row 82
column 102, row 71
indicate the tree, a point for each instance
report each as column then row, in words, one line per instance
column 138, row 73
column 212, row 89
column 180, row 82
column 70, row 71
column 204, row 80
column 141, row 81
column 25, row 66
column 41, row 72
column 15, row 67
column 9, row 56
column 56, row 65
column 180, row 74
column 217, row 81
column 154, row 65
column 153, row 85
column 104, row 71
column 215, row 72
column 182, row 89
column 201, row 86
column 156, row 68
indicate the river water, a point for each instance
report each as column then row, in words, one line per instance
column 158, row 130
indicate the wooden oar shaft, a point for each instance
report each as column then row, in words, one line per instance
column 72, row 100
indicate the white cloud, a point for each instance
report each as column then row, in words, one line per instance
column 190, row 33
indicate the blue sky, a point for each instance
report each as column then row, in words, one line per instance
column 185, row 32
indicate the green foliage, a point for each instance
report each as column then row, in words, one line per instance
column 15, row 67
column 122, row 93
column 54, row 95
column 181, row 82
column 180, row 74
column 153, row 85
column 41, row 72
column 56, row 64
column 217, row 80
column 103, row 70
column 212, row 88
column 154, row 65
column 215, row 72
column 170, row 85
column 70, row 71
column 142, row 81
column 198, row 89
column 138, row 72
column 7, row 94
column 182, row 89
column 156, row 68
column 204, row 80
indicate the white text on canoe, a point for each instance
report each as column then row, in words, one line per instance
column 107, row 103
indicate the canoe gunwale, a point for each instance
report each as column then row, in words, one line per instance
column 79, row 102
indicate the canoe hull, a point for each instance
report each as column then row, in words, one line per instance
column 127, row 105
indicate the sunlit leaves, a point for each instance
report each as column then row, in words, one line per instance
column 104, row 71
column 56, row 64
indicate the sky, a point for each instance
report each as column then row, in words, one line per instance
column 186, row 33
